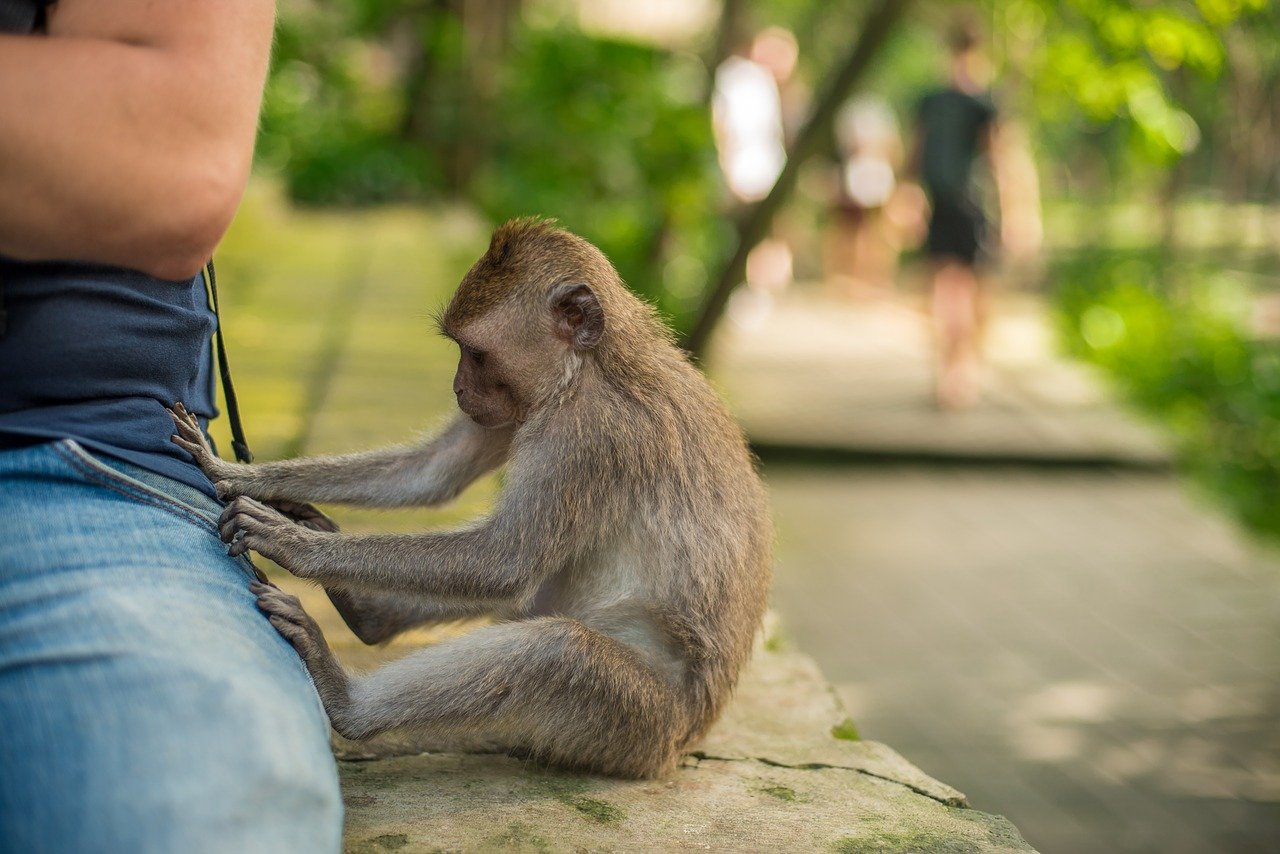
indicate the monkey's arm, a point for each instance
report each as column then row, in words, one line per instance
column 430, row 472
column 496, row 563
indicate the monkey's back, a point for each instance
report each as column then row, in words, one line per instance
column 696, row 501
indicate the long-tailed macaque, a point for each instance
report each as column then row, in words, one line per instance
column 627, row 560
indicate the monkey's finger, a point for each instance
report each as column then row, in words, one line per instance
column 229, row 526
column 290, row 631
column 183, row 412
column 251, row 509
column 191, row 448
column 238, row 525
column 191, row 432
column 183, row 428
column 236, row 515
column 258, row 510
column 269, row 593
column 248, row 508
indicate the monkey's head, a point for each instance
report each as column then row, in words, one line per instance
column 525, row 316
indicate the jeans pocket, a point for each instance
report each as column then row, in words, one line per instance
column 104, row 475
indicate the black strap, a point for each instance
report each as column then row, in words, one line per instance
column 238, row 443
column 22, row 16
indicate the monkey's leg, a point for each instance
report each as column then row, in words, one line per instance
column 295, row 625
column 551, row 687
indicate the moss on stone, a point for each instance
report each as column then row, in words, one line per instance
column 599, row 811
column 517, row 837
column 905, row 843
column 782, row 793
column 846, row 730
column 385, row 842
column 569, row 791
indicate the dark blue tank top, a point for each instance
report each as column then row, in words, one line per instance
column 95, row 353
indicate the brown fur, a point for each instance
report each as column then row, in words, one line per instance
column 629, row 555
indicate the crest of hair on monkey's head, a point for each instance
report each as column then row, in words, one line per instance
column 529, row 257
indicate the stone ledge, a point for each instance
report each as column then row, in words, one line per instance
column 782, row 771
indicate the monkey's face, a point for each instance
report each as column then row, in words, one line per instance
column 512, row 358
column 484, row 391
column 501, row 356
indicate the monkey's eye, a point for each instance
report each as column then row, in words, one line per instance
column 476, row 356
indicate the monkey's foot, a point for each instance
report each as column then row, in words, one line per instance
column 295, row 625
column 191, row 439
column 249, row 524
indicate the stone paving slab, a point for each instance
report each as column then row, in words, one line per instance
column 1092, row 654
column 452, row 802
column 783, row 770
column 778, row 773
column 856, row 377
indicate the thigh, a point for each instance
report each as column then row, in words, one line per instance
column 145, row 704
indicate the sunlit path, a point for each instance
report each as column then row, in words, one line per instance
column 1091, row 652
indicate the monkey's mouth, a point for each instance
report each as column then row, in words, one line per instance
column 488, row 420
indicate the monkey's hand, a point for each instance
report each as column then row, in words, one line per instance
column 295, row 625
column 249, row 524
column 191, row 439
column 306, row 515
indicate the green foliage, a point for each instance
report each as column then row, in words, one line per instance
column 612, row 140
column 1189, row 359
column 331, row 112
column 372, row 102
column 1115, row 62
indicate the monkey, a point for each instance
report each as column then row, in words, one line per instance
column 626, row 561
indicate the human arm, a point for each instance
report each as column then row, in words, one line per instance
column 126, row 133
column 1017, row 188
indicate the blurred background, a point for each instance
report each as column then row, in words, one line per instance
column 1061, row 595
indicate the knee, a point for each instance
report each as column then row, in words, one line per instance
column 271, row 775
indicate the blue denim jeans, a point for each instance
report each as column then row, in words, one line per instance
column 145, row 703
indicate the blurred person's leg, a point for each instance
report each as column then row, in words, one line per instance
column 957, row 324
column 145, row 703
column 839, row 263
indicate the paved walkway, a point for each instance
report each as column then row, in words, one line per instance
column 1090, row 652
column 838, row 376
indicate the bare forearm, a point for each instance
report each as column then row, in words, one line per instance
column 125, row 135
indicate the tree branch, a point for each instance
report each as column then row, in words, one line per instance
column 755, row 223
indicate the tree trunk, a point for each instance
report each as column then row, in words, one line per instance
column 728, row 32
column 755, row 221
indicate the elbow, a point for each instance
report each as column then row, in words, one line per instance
column 202, row 201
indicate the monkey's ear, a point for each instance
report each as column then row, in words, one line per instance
column 577, row 314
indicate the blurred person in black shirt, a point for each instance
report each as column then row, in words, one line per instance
column 957, row 128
